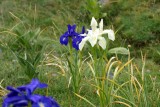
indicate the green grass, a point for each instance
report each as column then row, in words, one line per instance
column 52, row 16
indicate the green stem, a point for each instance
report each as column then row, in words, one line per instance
column 99, row 68
column 29, row 105
column 74, row 68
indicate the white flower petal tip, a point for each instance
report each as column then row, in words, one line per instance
column 92, row 41
column 101, row 25
column 111, row 34
column 94, row 24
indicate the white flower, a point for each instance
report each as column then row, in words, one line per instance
column 95, row 35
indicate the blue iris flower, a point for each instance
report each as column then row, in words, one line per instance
column 68, row 34
column 71, row 33
column 78, row 39
column 46, row 102
column 21, row 96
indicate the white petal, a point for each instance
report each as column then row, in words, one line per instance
column 83, row 34
column 111, row 35
column 93, row 36
column 81, row 45
column 102, row 42
column 89, row 33
column 101, row 25
column 93, row 24
column 92, row 41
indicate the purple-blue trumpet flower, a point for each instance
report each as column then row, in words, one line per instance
column 23, row 96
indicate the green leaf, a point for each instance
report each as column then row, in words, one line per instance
column 29, row 69
column 119, row 50
column 37, row 59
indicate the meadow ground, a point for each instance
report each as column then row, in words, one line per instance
column 52, row 17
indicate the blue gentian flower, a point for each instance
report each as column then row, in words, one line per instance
column 21, row 96
column 68, row 34
column 78, row 39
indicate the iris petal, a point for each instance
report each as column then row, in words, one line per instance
column 93, row 37
column 11, row 100
column 68, row 34
column 34, row 98
column 93, row 24
column 111, row 35
column 21, row 96
column 64, row 40
column 35, row 83
column 46, row 102
column 102, row 42
column 12, row 89
column 71, row 29
column 22, row 103
column 81, row 45
column 13, row 92
column 83, row 30
column 71, row 33
column 76, row 41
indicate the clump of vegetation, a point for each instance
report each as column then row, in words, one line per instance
column 139, row 20
column 137, row 24
column 29, row 50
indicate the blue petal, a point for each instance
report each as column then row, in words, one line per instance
column 12, row 89
column 35, row 83
column 14, row 92
column 83, row 30
column 35, row 105
column 71, row 29
column 46, row 102
column 20, row 96
column 64, row 40
column 70, row 33
column 34, row 98
column 54, row 103
column 75, row 34
column 22, row 88
column 74, row 44
column 11, row 100
column 32, row 86
column 42, row 85
column 22, row 103
column 76, row 41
